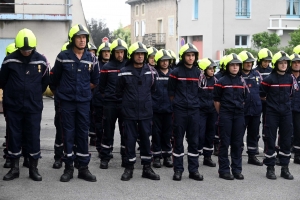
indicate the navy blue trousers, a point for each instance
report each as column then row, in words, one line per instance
column 296, row 131
column 19, row 123
column 273, row 121
column 75, row 126
column 231, row 130
column 161, row 135
column 207, row 132
column 58, row 144
column 252, row 126
column 134, row 129
column 186, row 122
column 97, row 120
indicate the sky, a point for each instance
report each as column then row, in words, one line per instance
column 113, row 12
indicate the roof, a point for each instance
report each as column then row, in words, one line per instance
column 131, row 2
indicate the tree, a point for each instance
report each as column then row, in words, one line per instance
column 123, row 33
column 98, row 30
column 295, row 38
column 265, row 40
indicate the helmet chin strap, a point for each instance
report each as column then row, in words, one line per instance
column 281, row 70
column 295, row 70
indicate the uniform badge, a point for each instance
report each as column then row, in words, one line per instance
column 39, row 68
column 249, row 85
column 90, row 67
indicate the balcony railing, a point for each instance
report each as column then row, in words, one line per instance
column 153, row 39
column 284, row 22
column 66, row 15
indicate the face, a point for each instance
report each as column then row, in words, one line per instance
column 92, row 52
column 139, row 57
column 282, row 65
column 247, row 66
column 80, row 41
column 189, row 58
column 296, row 65
column 26, row 52
column 151, row 60
column 164, row 64
column 119, row 55
column 234, row 68
column 105, row 54
column 210, row 71
column 265, row 63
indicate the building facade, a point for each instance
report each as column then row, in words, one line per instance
column 215, row 25
column 50, row 21
column 154, row 23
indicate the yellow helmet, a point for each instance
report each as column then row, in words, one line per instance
column 222, row 62
column 137, row 47
column 294, row 57
column 64, row 47
column 162, row 55
column 25, row 40
column 297, row 49
column 246, row 56
column 280, row 56
column 105, row 46
column 92, row 47
column 188, row 48
column 205, row 63
column 118, row 44
column 78, row 29
column 151, row 51
column 10, row 48
column 232, row 58
column 172, row 54
column 264, row 54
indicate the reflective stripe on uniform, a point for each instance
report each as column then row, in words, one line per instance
column 123, row 147
column 86, row 62
column 166, row 151
column 64, row 61
column 265, row 74
column 132, row 159
column 38, row 62
column 105, row 146
column 149, row 72
column 284, row 154
column 178, row 155
column 296, row 147
column 253, row 148
column 193, row 154
column 34, row 154
column 12, row 60
column 15, row 154
column 83, row 155
column 146, row 157
column 270, row 156
column 124, row 74
column 158, row 152
column 208, row 149
column 162, row 78
column 70, row 155
column 59, row 145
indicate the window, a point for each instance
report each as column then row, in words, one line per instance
column 242, row 9
column 171, row 26
column 136, row 28
column 7, row 8
column 196, row 5
column 242, row 41
column 292, row 7
column 143, row 28
column 136, row 10
column 143, row 9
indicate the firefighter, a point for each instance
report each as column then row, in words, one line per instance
column 208, row 113
column 162, row 113
column 112, row 103
column 184, row 94
column 74, row 74
column 135, row 84
column 264, row 58
column 103, row 53
column 229, row 98
column 151, row 53
column 24, row 76
column 252, row 107
column 276, row 88
column 173, row 60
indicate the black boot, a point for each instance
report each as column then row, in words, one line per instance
column 177, row 176
column 149, row 173
column 216, row 149
column 285, row 173
column 254, row 161
column 277, row 161
column 168, row 162
column 104, row 164
column 271, row 173
column 127, row 175
column 68, row 173
column 14, row 172
column 57, row 164
column 196, row 176
column 8, row 163
column 93, row 140
column 26, row 162
column 76, row 163
column 297, row 158
column 85, row 174
column 33, row 171
column 156, row 163
column 208, row 161
column 226, row 176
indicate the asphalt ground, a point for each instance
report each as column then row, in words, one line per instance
column 255, row 186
